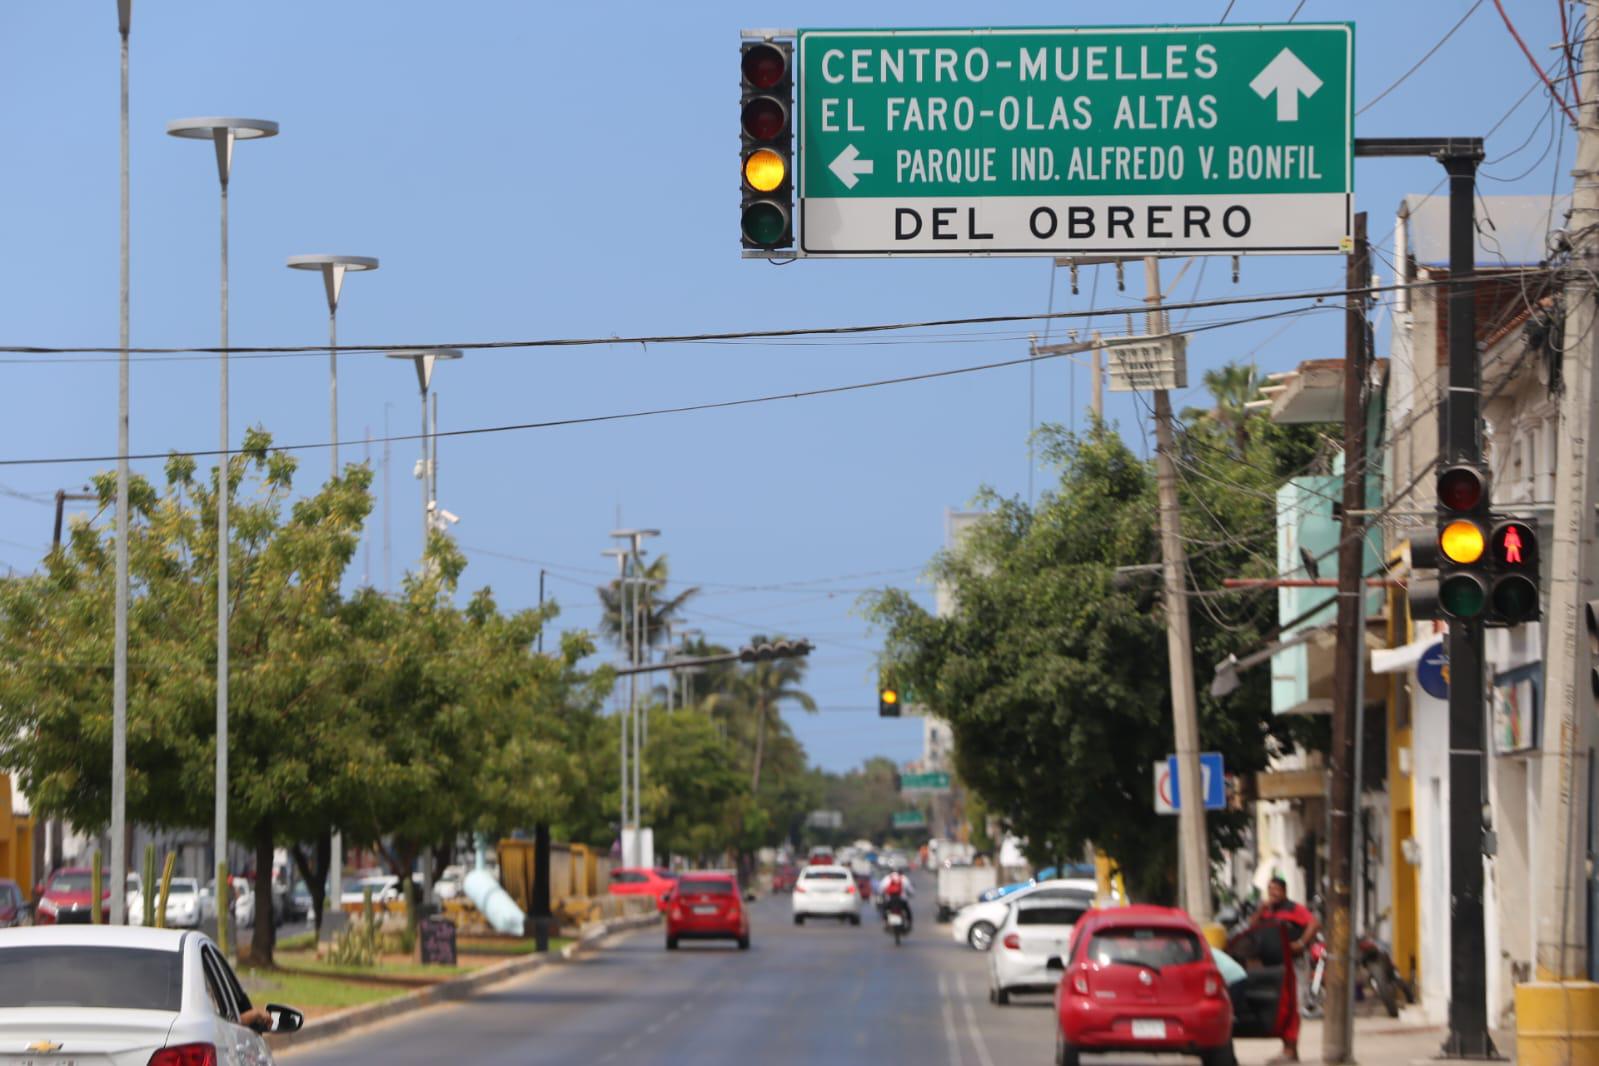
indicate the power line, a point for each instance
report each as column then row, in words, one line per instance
column 1367, row 106
column 1553, row 92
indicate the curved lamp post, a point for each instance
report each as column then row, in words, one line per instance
column 333, row 268
column 223, row 133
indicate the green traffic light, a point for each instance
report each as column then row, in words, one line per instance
column 1462, row 596
column 1515, row 599
column 765, row 224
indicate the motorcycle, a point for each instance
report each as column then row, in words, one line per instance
column 1379, row 973
column 1315, row 989
column 896, row 918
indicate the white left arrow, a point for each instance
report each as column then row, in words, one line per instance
column 1287, row 76
column 849, row 166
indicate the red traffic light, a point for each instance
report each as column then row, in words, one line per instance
column 1462, row 488
column 1514, row 545
column 764, row 66
column 765, row 118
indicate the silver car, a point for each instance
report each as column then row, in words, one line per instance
column 130, row 996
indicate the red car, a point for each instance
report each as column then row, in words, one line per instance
column 783, row 878
column 707, row 907
column 64, row 899
column 13, row 908
column 644, row 881
column 1141, row 978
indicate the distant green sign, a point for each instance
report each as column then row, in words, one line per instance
column 932, row 781
column 909, row 820
column 1066, row 141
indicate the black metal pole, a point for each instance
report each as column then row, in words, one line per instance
column 1462, row 442
column 541, row 886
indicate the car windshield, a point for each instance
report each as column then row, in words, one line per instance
column 826, row 875
column 1048, row 915
column 706, row 886
column 70, row 883
column 181, row 888
column 89, row 976
column 1153, row 947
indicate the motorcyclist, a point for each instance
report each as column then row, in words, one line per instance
column 896, row 891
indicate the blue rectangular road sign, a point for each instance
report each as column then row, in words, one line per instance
column 1213, row 775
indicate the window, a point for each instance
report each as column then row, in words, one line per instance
column 826, row 875
column 70, row 882
column 705, row 886
column 91, row 977
column 1048, row 915
column 1144, row 946
column 217, row 986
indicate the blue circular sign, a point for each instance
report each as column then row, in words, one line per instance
column 1432, row 670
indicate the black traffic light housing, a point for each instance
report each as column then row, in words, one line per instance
column 1486, row 564
column 888, row 702
column 1513, row 557
column 1462, row 541
column 766, row 134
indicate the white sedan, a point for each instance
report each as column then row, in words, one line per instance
column 129, row 997
column 975, row 924
column 826, row 892
column 1033, row 931
column 188, row 907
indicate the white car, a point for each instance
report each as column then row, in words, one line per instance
column 1033, row 931
column 385, row 889
column 134, row 905
column 975, row 924
column 127, row 997
column 826, row 892
column 187, row 906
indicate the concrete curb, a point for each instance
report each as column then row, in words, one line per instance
column 465, row 987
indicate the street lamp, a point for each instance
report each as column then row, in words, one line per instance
column 119, row 652
column 333, row 268
column 636, row 649
column 424, row 359
column 620, row 555
column 222, row 133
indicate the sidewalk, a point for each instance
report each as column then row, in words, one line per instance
column 1378, row 1042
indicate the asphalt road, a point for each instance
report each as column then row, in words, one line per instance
column 825, row 992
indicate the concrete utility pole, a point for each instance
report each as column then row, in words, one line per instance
column 119, row 655
column 1073, row 348
column 1561, row 846
column 620, row 554
column 1193, row 853
column 1338, row 1030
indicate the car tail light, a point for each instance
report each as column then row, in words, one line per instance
column 185, row 1055
column 799, row 888
column 849, row 890
column 1213, row 986
column 1080, row 984
column 677, row 914
column 1012, row 941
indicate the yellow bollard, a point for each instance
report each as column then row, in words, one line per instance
column 96, row 881
column 222, row 908
column 166, row 887
column 1557, row 1023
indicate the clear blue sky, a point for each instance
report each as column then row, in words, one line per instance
column 531, row 170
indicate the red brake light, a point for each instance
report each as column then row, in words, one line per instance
column 849, row 889
column 799, row 888
column 1012, row 941
column 185, row 1055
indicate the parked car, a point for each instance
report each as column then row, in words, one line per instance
column 1048, row 873
column 975, row 924
column 1034, row 931
column 119, row 994
column 644, row 881
column 298, row 906
column 706, row 906
column 826, row 892
column 14, row 909
column 188, row 905
column 64, row 898
column 1141, row 979
column 385, row 889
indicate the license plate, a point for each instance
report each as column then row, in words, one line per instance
column 1149, row 1029
column 895, row 919
column 704, row 910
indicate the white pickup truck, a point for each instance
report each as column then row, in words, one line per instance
column 960, row 885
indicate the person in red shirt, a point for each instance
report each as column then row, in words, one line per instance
column 1301, row 927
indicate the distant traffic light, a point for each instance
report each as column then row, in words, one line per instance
column 1423, row 588
column 1462, row 540
column 782, row 649
column 888, row 702
column 766, row 130
column 1513, row 554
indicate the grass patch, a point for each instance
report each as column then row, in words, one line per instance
column 506, row 946
column 298, row 942
column 314, row 995
column 386, row 968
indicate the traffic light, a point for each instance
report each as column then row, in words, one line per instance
column 888, row 702
column 766, row 129
column 1513, row 553
column 781, row 649
column 1423, row 589
column 1462, row 541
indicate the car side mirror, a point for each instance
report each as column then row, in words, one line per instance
column 284, row 1019
column 1055, row 965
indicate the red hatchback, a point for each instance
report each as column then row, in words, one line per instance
column 707, row 907
column 64, row 899
column 644, row 881
column 1142, row 978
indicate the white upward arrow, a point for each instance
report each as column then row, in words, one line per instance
column 1287, row 76
column 849, row 166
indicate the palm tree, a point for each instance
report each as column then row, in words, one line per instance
column 658, row 610
column 1231, row 387
column 756, row 694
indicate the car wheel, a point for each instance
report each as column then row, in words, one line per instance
column 855, row 919
column 799, row 919
column 980, row 936
column 671, row 943
column 1222, row 1056
column 1065, row 1054
column 1002, row 996
column 743, row 943
column 993, row 996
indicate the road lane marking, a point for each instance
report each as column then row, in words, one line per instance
column 950, row 1035
column 971, row 1025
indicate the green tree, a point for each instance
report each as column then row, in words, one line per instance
column 658, row 610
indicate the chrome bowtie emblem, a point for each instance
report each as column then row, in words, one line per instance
column 1143, row 975
column 44, row 1045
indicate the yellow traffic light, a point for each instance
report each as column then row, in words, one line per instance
column 890, row 696
column 1462, row 541
column 764, row 170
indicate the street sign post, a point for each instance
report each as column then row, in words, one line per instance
column 1214, row 779
column 1124, row 140
column 931, row 781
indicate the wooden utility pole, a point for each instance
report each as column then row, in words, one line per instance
column 1349, row 661
column 1193, row 852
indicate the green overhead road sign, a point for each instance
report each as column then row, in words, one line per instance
column 909, row 819
column 1131, row 140
column 931, row 781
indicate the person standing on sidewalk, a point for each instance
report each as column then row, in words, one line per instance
column 1299, row 926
